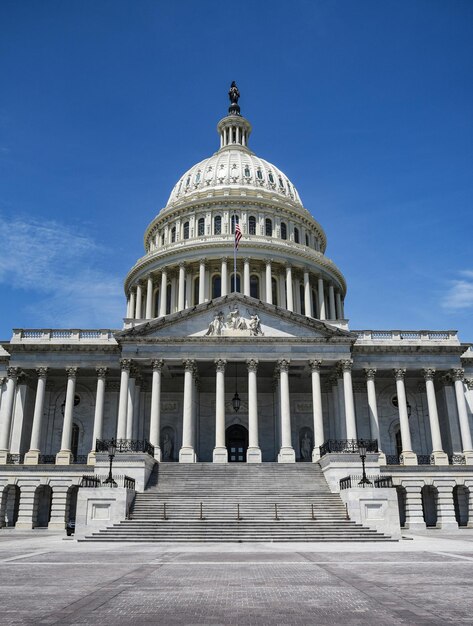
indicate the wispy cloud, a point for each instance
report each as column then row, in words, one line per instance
column 58, row 265
column 460, row 293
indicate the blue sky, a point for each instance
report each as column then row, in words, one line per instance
column 366, row 105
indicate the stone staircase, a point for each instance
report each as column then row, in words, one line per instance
column 274, row 502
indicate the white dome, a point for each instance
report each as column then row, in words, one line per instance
column 234, row 166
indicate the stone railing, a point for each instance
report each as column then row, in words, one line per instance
column 62, row 335
column 406, row 335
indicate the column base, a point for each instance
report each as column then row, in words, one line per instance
column 316, row 454
column 447, row 525
column 439, row 458
column 415, row 526
column 56, row 526
column 408, row 458
column 253, row 455
column 32, row 457
column 64, row 457
column 468, row 457
column 3, row 457
column 287, row 455
column 157, row 454
column 91, row 458
column 187, row 455
column 24, row 525
column 220, row 455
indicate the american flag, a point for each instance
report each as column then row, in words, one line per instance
column 238, row 235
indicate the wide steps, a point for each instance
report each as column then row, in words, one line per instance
column 206, row 502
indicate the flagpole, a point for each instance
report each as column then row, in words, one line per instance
column 234, row 252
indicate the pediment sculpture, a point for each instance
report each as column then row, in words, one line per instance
column 233, row 324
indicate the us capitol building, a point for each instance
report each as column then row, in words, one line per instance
column 254, row 367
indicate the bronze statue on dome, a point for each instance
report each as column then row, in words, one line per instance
column 234, row 96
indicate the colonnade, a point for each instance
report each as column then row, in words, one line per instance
column 342, row 390
column 297, row 289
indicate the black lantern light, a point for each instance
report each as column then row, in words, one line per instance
column 236, row 402
column 362, row 450
column 112, row 449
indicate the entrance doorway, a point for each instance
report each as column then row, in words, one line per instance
column 236, row 440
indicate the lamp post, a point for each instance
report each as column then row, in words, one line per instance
column 236, row 402
column 362, row 450
column 112, row 448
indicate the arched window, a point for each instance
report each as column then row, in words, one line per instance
column 186, row 230
column 254, row 286
column 307, row 240
column 252, row 225
column 201, row 227
column 216, row 286
column 302, row 299
column 247, row 171
column 283, row 231
column 168, row 299
column 196, row 291
column 197, row 178
column 218, row 225
column 271, row 177
column 281, row 184
column 188, row 181
column 259, row 174
column 268, row 227
column 162, row 239
column 173, row 234
column 235, row 218
column 274, row 289
column 296, row 235
column 232, row 288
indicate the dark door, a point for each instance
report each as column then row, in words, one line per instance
column 237, row 443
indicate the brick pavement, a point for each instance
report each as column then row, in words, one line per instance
column 46, row 580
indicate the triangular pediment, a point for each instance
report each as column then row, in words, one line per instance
column 235, row 316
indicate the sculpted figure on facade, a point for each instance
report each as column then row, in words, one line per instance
column 255, row 325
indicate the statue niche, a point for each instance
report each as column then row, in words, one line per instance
column 306, row 444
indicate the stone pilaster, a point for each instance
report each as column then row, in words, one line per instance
column 254, row 451
column 317, row 409
column 155, row 415
column 445, row 507
column 286, row 453
column 187, row 453
column 414, row 509
column 220, row 453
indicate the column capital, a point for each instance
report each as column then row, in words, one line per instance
column 42, row 372
column 203, row 261
column 134, row 370
column 315, row 365
column 224, row 259
column 346, row 365
column 370, row 373
column 157, row 365
column 246, row 259
column 252, row 365
column 188, row 365
column 13, row 372
column 71, row 372
column 182, row 264
column 125, row 364
column 399, row 373
column 101, row 372
column 428, row 373
column 469, row 383
column 288, row 265
column 220, row 365
column 283, row 365
column 458, row 374
column 268, row 261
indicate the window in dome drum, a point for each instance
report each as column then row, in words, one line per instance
column 197, row 177
column 247, row 171
column 235, row 218
column 268, row 227
column 252, row 225
column 217, row 225
column 201, row 227
column 186, row 230
column 283, row 231
column 259, row 174
column 296, row 235
column 271, row 177
column 173, row 234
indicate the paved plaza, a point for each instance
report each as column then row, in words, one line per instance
column 48, row 579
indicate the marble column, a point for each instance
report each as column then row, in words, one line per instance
column 136, row 427
column 132, row 314
column 246, row 276
column 458, row 376
column 438, row 456
column 331, row 300
column 370, row 373
column 319, row 438
column 98, row 415
column 187, row 453
column 125, row 365
column 155, row 414
column 130, row 409
column 224, row 277
column 201, row 281
column 350, row 418
column 139, row 300
column 220, row 453
column 6, row 413
column 321, row 295
column 254, row 451
column 286, row 452
column 268, row 282
column 307, row 294
column 289, row 291
column 182, row 285
column 408, row 457
column 32, row 456
column 149, row 298
column 163, row 293
column 414, row 509
column 64, row 456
